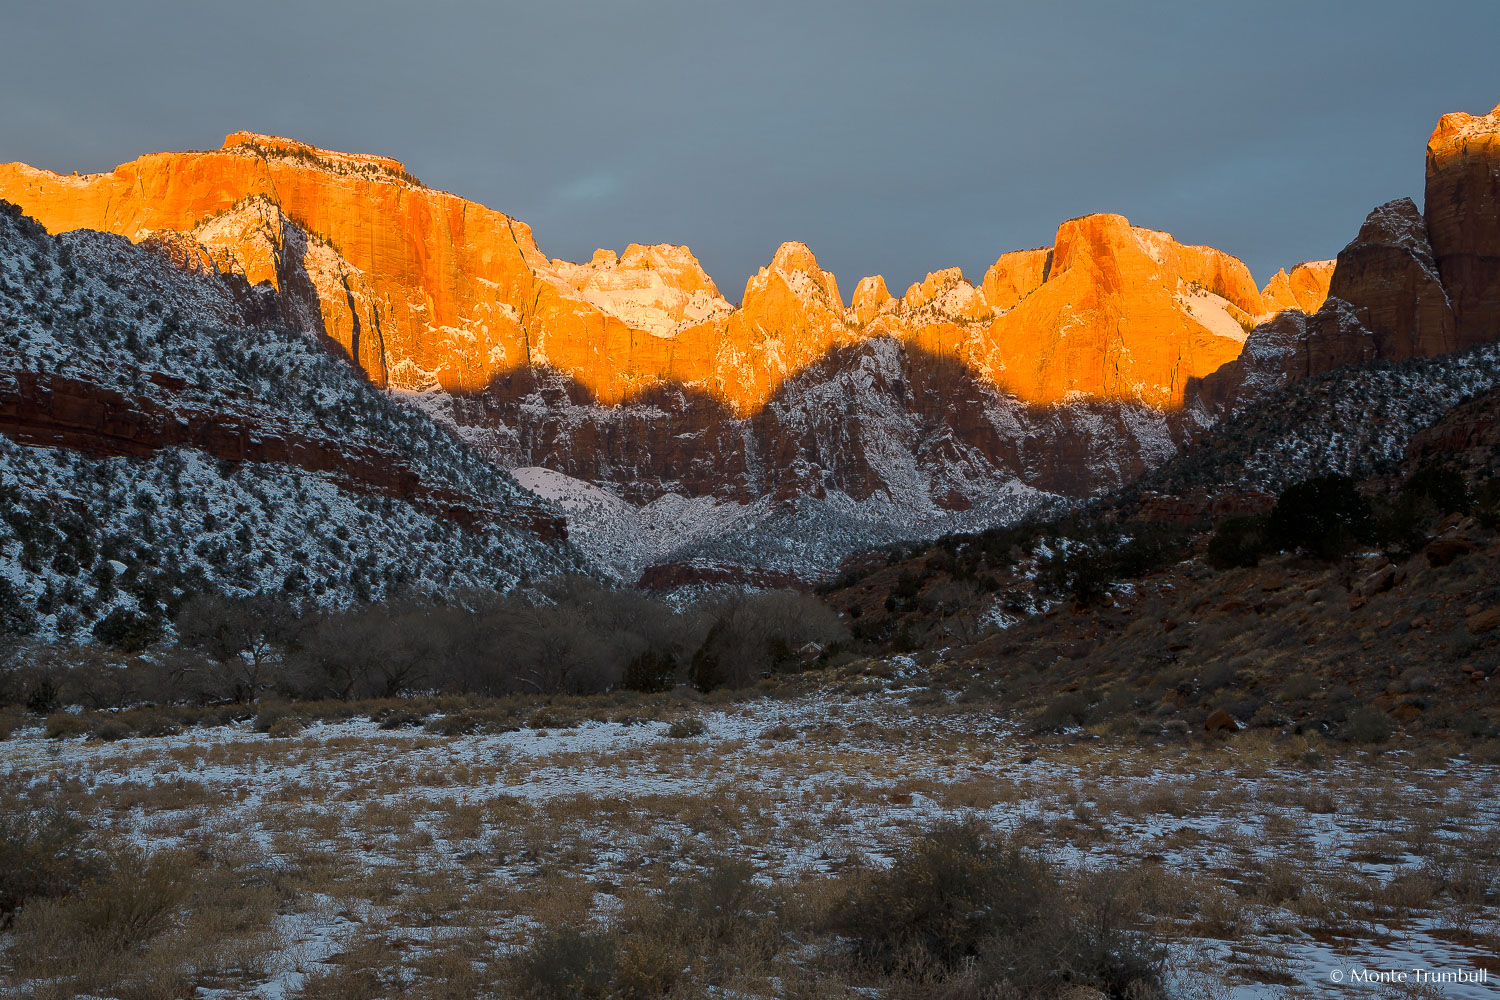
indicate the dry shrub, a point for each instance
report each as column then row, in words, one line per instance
column 961, row 905
column 687, row 728
column 701, row 929
column 43, row 854
column 144, row 926
column 12, row 717
column 286, row 727
column 66, row 725
column 110, row 729
column 472, row 720
column 568, row 964
column 1367, row 724
column 270, row 714
column 398, row 717
column 554, row 717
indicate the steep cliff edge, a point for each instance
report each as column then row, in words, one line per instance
column 1463, row 219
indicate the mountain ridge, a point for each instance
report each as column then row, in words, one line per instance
column 464, row 293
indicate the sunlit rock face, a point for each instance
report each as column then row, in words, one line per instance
column 426, row 290
column 436, row 276
column 1304, row 288
column 1463, row 219
column 1120, row 312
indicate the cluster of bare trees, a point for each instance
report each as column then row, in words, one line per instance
column 570, row 636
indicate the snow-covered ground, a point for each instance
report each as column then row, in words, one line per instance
column 623, row 537
column 1296, row 862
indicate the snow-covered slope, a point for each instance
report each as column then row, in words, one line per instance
column 163, row 434
column 1354, row 420
column 625, row 538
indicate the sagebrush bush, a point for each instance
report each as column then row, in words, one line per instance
column 271, row 714
column 1367, row 724
column 687, row 727
column 110, row 729
column 568, row 964
column 286, row 727
column 965, row 904
column 398, row 718
column 64, row 725
column 1067, row 709
column 553, row 717
column 43, row 853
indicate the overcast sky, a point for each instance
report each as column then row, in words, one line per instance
column 894, row 138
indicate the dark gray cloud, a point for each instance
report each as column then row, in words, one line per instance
column 894, row 138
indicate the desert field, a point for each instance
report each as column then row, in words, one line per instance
column 766, row 843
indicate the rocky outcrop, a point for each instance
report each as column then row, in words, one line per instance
column 1467, row 437
column 1389, row 275
column 1463, row 220
column 1385, row 301
column 1120, row 312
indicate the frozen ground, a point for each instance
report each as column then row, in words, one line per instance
column 1298, row 866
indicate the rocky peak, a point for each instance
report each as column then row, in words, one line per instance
column 1388, row 273
column 657, row 289
column 1304, row 288
column 950, row 293
column 795, row 264
column 1114, row 311
column 870, row 297
column 1016, row 275
column 1463, row 219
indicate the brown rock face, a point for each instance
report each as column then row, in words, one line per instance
column 1386, row 299
column 1390, row 276
column 1463, row 220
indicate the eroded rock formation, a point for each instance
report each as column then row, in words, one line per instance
column 1407, row 286
column 1463, row 219
column 426, row 290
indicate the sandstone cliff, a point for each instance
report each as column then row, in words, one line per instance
column 1409, row 285
column 1463, row 219
column 426, row 290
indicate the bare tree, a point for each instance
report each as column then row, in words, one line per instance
column 247, row 636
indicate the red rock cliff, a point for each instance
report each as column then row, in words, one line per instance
column 423, row 288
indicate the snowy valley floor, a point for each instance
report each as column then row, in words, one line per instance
column 348, row 860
